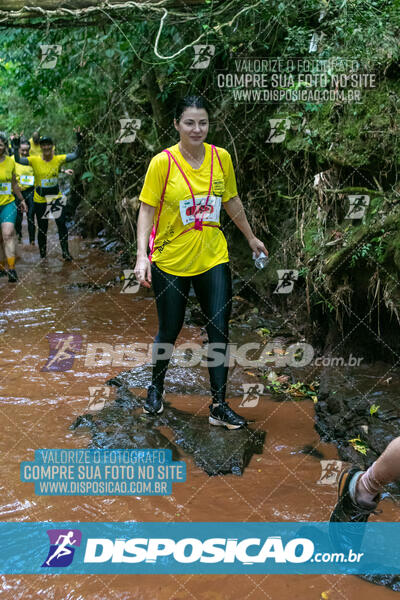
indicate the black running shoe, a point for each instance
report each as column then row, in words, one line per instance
column 346, row 510
column 66, row 256
column 12, row 276
column 3, row 273
column 154, row 403
column 223, row 416
column 42, row 253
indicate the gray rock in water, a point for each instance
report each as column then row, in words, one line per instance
column 179, row 380
column 390, row 581
column 214, row 449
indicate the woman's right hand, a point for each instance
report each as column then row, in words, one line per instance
column 142, row 271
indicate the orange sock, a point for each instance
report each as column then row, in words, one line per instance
column 11, row 262
column 2, row 267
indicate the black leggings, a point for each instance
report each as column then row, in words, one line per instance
column 213, row 290
column 40, row 209
column 28, row 197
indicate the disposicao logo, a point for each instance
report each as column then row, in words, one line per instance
column 61, row 551
column 190, row 550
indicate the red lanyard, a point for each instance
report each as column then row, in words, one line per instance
column 197, row 221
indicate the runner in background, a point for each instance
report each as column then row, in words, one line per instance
column 26, row 181
column 8, row 211
column 47, row 197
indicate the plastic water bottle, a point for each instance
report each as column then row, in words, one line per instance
column 261, row 260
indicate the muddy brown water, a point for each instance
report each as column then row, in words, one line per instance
column 38, row 407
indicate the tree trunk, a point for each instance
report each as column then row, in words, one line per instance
column 160, row 113
column 14, row 5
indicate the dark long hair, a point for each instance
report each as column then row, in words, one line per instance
column 189, row 102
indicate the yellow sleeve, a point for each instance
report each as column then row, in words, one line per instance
column 229, row 175
column 155, row 180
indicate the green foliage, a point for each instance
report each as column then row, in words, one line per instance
column 374, row 409
column 107, row 72
column 359, row 445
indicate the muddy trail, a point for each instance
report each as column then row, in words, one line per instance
column 277, row 477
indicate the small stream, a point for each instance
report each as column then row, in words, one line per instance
column 38, row 408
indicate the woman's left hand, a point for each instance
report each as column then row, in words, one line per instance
column 257, row 246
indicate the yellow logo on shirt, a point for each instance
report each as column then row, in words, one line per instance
column 218, row 187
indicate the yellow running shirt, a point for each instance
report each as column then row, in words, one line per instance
column 46, row 173
column 7, row 170
column 25, row 176
column 196, row 251
column 35, row 148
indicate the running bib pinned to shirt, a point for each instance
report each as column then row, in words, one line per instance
column 47, row 183
column 26, row 179
column 5, row 188
column 209, row 212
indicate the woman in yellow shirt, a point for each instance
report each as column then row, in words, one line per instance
column 184, row 189
column 26, row 183
column 8, row 210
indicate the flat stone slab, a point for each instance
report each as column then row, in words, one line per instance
column 180, row 380
column 214, row 449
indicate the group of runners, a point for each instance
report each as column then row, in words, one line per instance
column 29, row 171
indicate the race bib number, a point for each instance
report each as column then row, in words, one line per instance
column 48, row 183
column 5, row 189
column 27, row 180
column 205, row 213
column 54, row 206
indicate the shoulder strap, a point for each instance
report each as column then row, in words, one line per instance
column 219, row 160
column 167, row 177
column 155, row 227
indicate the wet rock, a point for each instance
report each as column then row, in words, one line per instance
column 343, row 411
column 91, row 286
column 390, row 581
column 180, row 380
column 214, row 449
column 193, row 313
column 111, row 245
column 119, row 426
